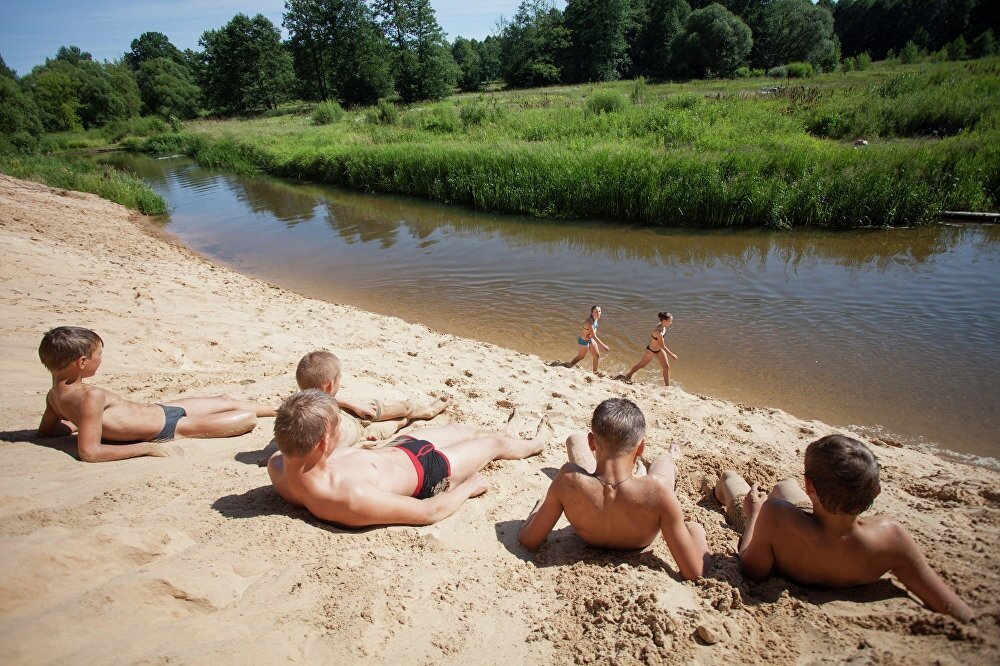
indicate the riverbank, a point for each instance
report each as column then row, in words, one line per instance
column 194, row 558
column 745, row 153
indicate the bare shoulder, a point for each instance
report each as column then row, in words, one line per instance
column 658, row 490
column 569, row 478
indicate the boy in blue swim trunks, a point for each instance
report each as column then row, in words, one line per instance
column 418, row 479
column 73, row 354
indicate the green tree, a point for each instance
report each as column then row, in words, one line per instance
column 488, row 51
column 795, row 30
column 958, row 49
column 532, row 43
column 6, row 71
column 151, row 45
column 985, row 45
column 653, row 24
column 463, row 51
column 19, row 124
column 597, row 47
column 424, row 66
column 339, row 51
column 714, row 43
column 246, row 67
column 168, row 89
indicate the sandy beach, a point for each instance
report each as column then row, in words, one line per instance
column 195, row 559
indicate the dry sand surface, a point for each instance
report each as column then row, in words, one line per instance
column 194, row 558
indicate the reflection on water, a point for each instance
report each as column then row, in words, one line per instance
column 891, row 328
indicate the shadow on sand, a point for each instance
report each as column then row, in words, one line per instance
column 66, row 444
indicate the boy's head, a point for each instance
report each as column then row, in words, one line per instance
column 844, row 473
column 303, row 420
column 319, row 370
column 665, row 317
column 618, row 426
column 65, row 344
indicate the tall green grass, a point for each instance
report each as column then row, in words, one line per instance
column 85, row 176
column 708, row 153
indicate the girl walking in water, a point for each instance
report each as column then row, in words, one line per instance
column 588, row 339
column 657, row 347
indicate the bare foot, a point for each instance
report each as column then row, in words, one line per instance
column 514, row 421
column 431, row 410
column 545, row 432
column 675, row 452
column 640, row 467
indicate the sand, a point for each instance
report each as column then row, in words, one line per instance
column 194, row 558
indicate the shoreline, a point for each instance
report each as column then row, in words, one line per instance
column 194, row 557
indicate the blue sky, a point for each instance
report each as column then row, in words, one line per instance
column 31, row 31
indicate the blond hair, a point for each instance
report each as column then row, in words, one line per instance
column 65, row 344
column 317, row 369
column 303, row 420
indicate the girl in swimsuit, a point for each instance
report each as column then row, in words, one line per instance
column 658, row 348
column 588, row 339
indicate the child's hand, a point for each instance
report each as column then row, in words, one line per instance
column 606, row 348
column 366, row 411
column 673, row 355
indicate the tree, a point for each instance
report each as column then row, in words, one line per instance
column 714, row 43
column 246, row 67
column 795, row 31
column 151, row 45
column 488, row 51
column 339, row 51
column 532, row 43
column 424, row 66
column 168, row 89
column 19, row 124
column 597, row 48
column 6, row 71
column 653, row 24
column 985, row 45
column 463, row 51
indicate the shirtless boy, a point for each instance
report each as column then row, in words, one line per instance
column 817, row 537
column 321, row 370
column 657, row 347
column 418, row 479
column 607, row 504
column 73, row 354
column 588, row 339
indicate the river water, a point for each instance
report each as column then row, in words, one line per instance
column 893, row 331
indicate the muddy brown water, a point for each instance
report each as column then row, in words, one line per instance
column 892, row 331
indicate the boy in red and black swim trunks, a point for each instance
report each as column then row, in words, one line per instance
column 417, row 479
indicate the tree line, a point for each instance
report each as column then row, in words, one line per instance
column 357, row 52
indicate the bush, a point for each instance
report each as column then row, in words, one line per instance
column 864, row 61
column 799, row 70
column 327, row 113
column 910, row 53
column 848, row 65
column 638, row 94
column 605, row 101
column 474, row 113
column 442, row 118
column 741, row 73
column 117, row 130
column 779, row 72
column 386, row 113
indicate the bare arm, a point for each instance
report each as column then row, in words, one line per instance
column 919, row 578
column 88, row 440
column 369, row 506
column 52, row 425
column 541, row 520
column 686, row 541
column 362, row 411
column 756, row 556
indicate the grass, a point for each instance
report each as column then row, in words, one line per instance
column 85, row 176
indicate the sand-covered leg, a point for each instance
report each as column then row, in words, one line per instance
column 578, row 452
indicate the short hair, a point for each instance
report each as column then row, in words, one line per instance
column 64, row 344
column 844, row 473
column 316, row 369
column 665, row 316
column 618, row 424
column 302, row 421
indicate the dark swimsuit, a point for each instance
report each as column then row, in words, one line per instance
column 172, row 415
column 432, row 466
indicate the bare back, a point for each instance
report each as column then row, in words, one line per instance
column 122, row 420
column 626, row 517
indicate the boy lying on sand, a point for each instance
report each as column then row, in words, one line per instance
column 73, row 354
column 321, row 370
column 817, row 537
column 607, row 504
column 418, row 479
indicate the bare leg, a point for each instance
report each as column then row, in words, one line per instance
column 665, row 365
column 382, row 429
column 218, row 404
column 469, row 450
column 790, row 491
column 596, row 353
column 409, row 409
column 646, row 358
column 666, row 464
column 579, row 356
column 224, row 424
column 579, row 453
column 729, row 487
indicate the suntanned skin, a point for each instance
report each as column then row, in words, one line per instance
column 97, row 416
column 358, row 487
column 660, row 351
column 594, row 343
column 627, row 517
column 830, row 549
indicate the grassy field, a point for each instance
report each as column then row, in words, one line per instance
column 747, row 152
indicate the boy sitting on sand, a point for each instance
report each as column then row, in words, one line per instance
column 73, row 354
column 607, row 504
column 817, row 537
column 321, row 370
column 413, row 481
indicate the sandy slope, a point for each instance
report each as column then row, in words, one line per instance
column 195, row 559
